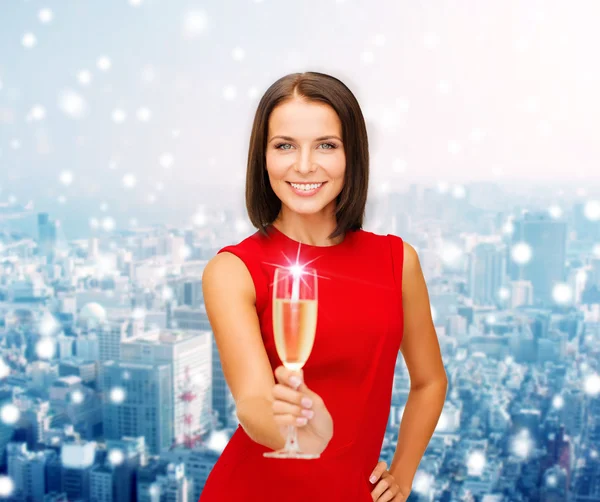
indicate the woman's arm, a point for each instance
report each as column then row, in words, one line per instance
column 230, row 297
column 428, row 380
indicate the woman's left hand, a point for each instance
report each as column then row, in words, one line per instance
column 387, row 489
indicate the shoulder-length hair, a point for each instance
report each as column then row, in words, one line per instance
column 262, row 203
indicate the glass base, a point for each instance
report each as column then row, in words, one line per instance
column 283, row 453
column 291, row 448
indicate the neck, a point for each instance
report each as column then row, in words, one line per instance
column 312, row 229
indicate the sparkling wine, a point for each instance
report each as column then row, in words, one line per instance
column 294, row 326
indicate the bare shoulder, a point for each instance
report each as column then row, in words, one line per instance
column 411, row 258
column 227, row 271
column 411, row 266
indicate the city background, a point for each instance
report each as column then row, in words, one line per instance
column 124, row 129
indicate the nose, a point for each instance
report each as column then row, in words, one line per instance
column 305, row 164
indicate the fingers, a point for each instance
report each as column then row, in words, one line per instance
column 286, row 413
column 288, row 419
column 290, row 402
column 386, row 489
column 380, row 468
column 386, row 497
column 283, row 408
column 287, row 377
column 378, row 491
column 290, row 405
column 283, row 393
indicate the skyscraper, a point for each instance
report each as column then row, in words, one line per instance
column 197, row 319
column 547, row 239
column 188, row 355
column 487, row 267
column 46, row 235
column 138, row 401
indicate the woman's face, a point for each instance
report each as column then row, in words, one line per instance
column 305, row 156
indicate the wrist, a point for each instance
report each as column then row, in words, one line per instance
column 405, row 488
column 404, row 484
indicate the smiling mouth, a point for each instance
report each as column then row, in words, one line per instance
column 306, row 186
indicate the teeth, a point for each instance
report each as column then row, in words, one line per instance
column 306, row 187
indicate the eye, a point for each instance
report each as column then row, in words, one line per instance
column 277, row 147
column 332, row 145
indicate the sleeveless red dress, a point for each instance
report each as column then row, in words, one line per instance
column 351, row 366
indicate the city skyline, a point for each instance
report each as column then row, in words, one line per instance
column 103, row 321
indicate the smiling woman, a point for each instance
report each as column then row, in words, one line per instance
column 308, row 130
column 307, row 166
column 306, row 190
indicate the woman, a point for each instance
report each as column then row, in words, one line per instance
column 306, row 192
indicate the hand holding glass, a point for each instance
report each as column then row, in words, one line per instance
column 294, row 327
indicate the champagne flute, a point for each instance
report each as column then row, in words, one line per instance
column 294, row 326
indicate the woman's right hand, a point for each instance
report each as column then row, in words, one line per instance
column 290, row 399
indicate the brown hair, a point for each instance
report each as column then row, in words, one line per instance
column 262, row 203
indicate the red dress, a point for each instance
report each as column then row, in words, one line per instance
column 351, row 366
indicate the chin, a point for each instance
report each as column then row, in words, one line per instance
column 309, row 207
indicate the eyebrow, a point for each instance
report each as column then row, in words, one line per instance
column 322, row 138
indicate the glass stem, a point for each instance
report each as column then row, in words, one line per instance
column 291, row 442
